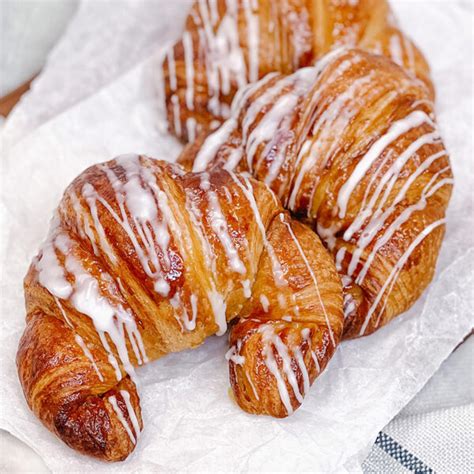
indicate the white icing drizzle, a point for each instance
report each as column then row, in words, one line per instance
column 175, row 303
column 204, row 182
column 50, row 273
column 82, row 222
column 265, row 303
column 88, row 354
column 302, row 366
column 339, row 258
column 272, row 365
column 219, row 226
column 254, row 108
column 138, row 203
column 233, row 354
column 113, row 402
column 172, row 68
column 276, row 119
column 266, row 130
column 131, row 412
column 387, row 182
column 219, row 308
column 252, row 37
column 392, row 278
column 243, row 95
column 286, row 362
column 328, row 234
column 219, row 45
column 65, row 316
column 107, row 319
column 296, row 308
column 196, row 218
column 186, row 321
column 247, row 189
column 194, row 312
column 215, row 298
column 378, row 217
column 427, row 192
column 212, row 144
column 225, row 62
column 176, row 114
column 247, row 286
column 80, row 342
column 313, row 277
column 191, row 126
column 271, row 340
column 349, row 305
column 227, row 194
column 50, row 269
column 142, row 202
column 249, row 378
column 398, row 128
column 305, row 333
column 189, row 65
column 310, row 75
column 346, row 280
column 336, row 117
column 88, row 194
column 214, row 141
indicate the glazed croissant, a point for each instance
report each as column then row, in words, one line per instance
column 143, row 259
column 230, row 43
column 352, row 148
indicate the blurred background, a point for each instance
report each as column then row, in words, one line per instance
column 29, row 29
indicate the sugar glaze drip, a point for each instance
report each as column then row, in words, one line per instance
column 261, row 112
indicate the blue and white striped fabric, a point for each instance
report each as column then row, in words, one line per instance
column 388, row 455
column 435, row 432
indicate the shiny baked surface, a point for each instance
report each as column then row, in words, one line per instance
column 144, row 259
column 351, row 146
column 227, row 44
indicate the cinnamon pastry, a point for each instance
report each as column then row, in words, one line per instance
column 143, row 259
column 230, row 43
column 351, row 146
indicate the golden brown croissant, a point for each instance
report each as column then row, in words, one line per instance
column 230, row 43
column 143, row 259
column 350, row 146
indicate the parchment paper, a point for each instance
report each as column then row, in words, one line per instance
column 190, row 422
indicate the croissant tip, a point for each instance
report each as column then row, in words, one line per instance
column 85, row 426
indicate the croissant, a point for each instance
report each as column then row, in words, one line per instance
column 143, row 259
column 351, row 147
column 230, row 43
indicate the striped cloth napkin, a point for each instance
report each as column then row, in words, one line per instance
column 435, row 431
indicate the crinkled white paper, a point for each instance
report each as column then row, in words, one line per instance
column 83, row 110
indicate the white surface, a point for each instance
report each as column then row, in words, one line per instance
column 190, row 423
column 29, row 29
column 452, row 386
